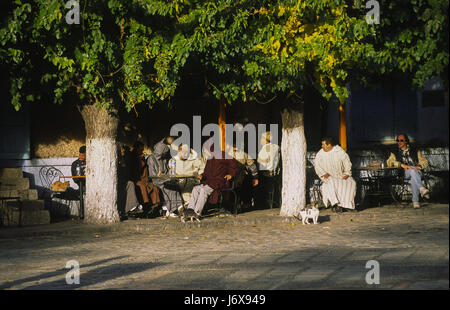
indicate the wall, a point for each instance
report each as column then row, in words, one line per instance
column 31, row 170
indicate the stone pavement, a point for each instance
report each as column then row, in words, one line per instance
column 255, row 250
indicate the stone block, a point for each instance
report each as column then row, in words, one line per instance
column 26, row 204
column 14, row 184
column 32, row 214
column 11, row 173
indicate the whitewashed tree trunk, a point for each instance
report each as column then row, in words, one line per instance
column 293, row 154
column 101, row 166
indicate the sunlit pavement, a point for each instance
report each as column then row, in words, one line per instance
column 255, row 250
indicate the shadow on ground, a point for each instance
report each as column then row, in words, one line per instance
column 58, row 272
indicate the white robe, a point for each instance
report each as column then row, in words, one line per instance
column 268, row 157
column 336, row 190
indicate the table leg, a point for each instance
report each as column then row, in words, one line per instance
column 81, row 211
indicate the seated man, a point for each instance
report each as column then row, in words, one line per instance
column 188, row 163
column 79, row 166
column 332, row 164
column 127, row 199
column 78, row 169
column 158, row 164
column 139, row 176
column 217, row 173
column 246, row 177
column 269, row 171
column 412, row 161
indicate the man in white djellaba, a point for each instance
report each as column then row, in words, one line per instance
column 332, row 164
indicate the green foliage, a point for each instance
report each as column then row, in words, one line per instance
column 134, row 52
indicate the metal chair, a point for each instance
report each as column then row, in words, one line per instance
column 401, row 187
column 233, row 191
column 48, row 175
column 219, row 209
column 316, row 193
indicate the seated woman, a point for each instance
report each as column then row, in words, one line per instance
column 139, row 176
column 158, row 165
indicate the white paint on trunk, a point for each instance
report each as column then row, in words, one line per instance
column 101, row 181
column 293, row 154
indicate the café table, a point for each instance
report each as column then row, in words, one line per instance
column 377, row 181
column 81, row 187
column 179, row 180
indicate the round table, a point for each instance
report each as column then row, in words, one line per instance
column 377, row 181
column 176, row 178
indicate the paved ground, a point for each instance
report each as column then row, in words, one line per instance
column 255, row 250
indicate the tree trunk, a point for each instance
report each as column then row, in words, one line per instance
column 101, row 165
column 293, row 154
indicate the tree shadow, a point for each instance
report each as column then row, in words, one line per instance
column 99, row 275
column 58, row 272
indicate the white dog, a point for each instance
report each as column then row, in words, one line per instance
column 307, row 214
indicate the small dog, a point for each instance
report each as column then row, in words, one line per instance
column 186, row 213
column 307, row 214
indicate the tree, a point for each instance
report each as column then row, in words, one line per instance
column 133, row 52
column 279, row 50
column 109, row 63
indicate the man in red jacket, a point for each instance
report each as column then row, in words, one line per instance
column 216, row 176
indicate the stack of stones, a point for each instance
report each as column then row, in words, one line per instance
column 19, row 205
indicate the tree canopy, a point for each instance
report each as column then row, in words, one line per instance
column 132, row 52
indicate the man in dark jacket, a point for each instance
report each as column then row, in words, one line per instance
column 79, row 169
column 216, row 176
column 412, row 161
column 79, row 166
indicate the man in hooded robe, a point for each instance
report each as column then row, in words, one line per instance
column 158, row 164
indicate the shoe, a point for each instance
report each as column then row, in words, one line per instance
column 416, row 204
column 424, row 192
column 137, row 208
column 180, row 208
column 172, row 215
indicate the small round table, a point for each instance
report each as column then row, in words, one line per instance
column 176, row 178
column 377, row 181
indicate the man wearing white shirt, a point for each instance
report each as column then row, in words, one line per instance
column 332, row 164
column 268, row 162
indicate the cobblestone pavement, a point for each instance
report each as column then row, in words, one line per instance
column 255, row 250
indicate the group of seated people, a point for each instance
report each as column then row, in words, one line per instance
column 146, row 190
column 142, row 191
column 332, row 165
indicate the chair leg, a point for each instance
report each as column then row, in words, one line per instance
column 236, row 206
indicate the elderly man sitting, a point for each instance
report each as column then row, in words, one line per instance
column 332, row 164
column 158, row 164
column 216, row 176
column 412, row 161
column 188, row 163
